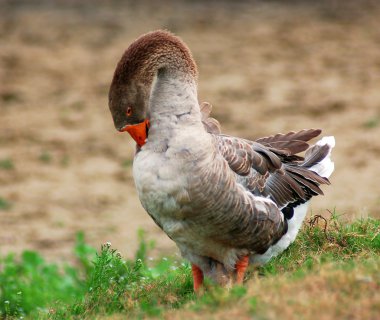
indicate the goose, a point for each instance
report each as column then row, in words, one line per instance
column 225, row 201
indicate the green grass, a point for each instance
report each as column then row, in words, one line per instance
column 6, row 164
column 127, row 163
column 29, row 285
column 4, row 204
column 328, row 241
column 104, row 285
column 45, row 157
column 372, row 123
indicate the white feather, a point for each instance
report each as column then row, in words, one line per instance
column 294, row 225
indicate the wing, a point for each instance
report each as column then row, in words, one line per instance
column 269, row 166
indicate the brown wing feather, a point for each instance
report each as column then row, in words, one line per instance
column 290, row 143
column 284, row 179
column 315, row 154
column 210, row 124
column 270, row 166
column 243, row 156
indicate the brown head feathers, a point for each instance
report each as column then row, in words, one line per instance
column 134, row 74
column 151, row 51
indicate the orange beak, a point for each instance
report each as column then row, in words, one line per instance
column 138, row 131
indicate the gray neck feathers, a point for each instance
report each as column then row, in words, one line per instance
column 173, row 94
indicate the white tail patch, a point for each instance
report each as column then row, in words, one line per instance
column 324, row 168
column 294, row 225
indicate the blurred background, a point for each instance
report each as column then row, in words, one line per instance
column 265, row 66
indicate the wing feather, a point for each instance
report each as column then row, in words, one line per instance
column 210, row 124
column 276, row 173
column 292, row 142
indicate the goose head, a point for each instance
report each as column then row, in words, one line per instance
column 131, row 85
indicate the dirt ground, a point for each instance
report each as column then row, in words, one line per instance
column 267, row 67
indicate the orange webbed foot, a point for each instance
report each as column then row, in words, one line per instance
column 241, row 266
column 197, row 277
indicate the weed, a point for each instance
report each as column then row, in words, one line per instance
column 372, row 123
column 65, row 161
column 127, row 163
column 337, row 242
column 45, row 157
column 4, row 204
column 132, row 287
column 7, row 164
column 30, row 285
column 84, row 253
column 144, row 246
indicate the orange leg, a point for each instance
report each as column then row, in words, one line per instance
column 241, row 267
column 197, row 277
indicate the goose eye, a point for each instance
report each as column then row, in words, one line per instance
column 129, row 111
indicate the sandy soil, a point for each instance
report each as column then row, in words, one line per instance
column 266, row 67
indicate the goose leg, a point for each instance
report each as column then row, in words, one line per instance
column 197, row 277
column 241, row 267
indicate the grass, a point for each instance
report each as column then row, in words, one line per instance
column 4, row 204
column 127, row 163
column 372, row 122
column 6, row 164
column 29, row 285
column 45, row 157
column 330, row 261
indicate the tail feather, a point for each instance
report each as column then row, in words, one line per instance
column 325, row 166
